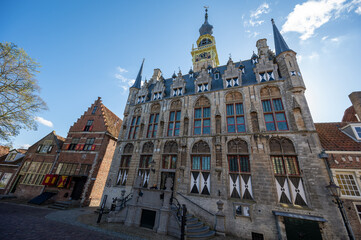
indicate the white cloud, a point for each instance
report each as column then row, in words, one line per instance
column 122, row 79
column 324, row 38
column 313, row 55
column 299, row 58
column 311, row 15
column 25, row 146
column 335, row 39
column 44, row 121
column 262, row 9
column 358, row 10
column 255, row 15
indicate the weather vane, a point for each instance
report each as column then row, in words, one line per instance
column 206, row 7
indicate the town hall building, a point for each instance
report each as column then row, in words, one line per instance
column 240, row 133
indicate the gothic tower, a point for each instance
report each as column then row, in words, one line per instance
column 206, row 52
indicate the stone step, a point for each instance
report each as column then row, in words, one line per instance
column 58, row 207
column 197, row 231
column 192, row 220
column 195, row 225
column 206, row 235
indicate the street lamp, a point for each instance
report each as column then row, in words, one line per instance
column 335, row 191
column 152, row 165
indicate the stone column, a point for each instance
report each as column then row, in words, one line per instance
column 165, row 210
column 130, row 219
column 220, row 220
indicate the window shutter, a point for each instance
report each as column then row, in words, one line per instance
column 50, row 148
column 81, row 147
column 84, row 128
column 76, row 147
column 91, row 127
column 67, row 146
column 93, row 147
column 39, row 147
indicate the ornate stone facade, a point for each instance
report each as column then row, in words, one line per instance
column 242, row 133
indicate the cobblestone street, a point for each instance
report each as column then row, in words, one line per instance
column 27, row 222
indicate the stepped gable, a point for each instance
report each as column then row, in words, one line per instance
column 112, row 121
column 349, row 115
column 333, row 139
column 104, row 120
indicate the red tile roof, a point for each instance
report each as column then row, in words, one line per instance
column 333, row 139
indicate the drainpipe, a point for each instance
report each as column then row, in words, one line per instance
column 339, row 202
column 53, row 166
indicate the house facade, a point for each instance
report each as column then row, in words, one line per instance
column 342, row 143
column 39, row 161
column 84, row 160
column 241, row 133
column 9, row 168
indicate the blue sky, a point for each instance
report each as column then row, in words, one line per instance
column 94, row 48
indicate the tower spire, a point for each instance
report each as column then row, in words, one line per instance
column 280, row 43
column 138, row 80
column 206, row 28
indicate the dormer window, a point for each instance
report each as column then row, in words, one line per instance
column 266, row 76
column 216, row 76
column 157, row 95
column 205, row 87
column 357, row 132
column 232, row 82
column 175, row 92
column 141, row 99
column 210, row 70
column 255, row 60
column 180, row 91
column 191, row 75
column 10, row 157
column 243, row 71
column 200, row 88
column 293, row 73
column 270, row 76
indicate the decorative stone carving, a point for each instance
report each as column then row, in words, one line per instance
column 171, row 147
column 203, row 102
column 201, row 147
column 176, row 105
column 148, row 147
column 234, row 96
column 237, row 146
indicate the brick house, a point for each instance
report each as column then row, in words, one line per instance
column 342, row 142
column 39, row 161
column 9, row 167
column 84, row 161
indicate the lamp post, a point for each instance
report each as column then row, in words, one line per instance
column 335, row 191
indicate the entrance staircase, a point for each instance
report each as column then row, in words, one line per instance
column 63, row 205
column 196, row 229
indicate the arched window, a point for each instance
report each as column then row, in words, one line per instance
column 144, row 163
column 200, row 169
column 169, row 162
column 134, row 124
column 124, row 164
column 235, row 113
column 202, row 116
column 239, row 169
column 273, row 110
column 174, row 118
column 153, row 121
column 287, row 172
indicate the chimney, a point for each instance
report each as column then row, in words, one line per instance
column 355, row 98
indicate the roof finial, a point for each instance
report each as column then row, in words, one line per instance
column 206, row 17
column 138, row 80
column 273, row 21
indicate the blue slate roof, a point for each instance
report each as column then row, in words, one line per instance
column 248, row 78
column 138, row 80
column 280, row 43
column 206, row 28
